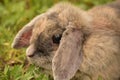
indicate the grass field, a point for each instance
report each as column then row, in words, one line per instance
column 13, row 15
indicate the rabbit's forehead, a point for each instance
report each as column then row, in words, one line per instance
column 46, row 27
column 38, row 28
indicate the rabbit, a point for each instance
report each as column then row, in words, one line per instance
column 72, row 44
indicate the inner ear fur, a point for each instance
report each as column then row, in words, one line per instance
column 22, row 38
column 68, row 57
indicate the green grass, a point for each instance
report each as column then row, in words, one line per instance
column 14, row 14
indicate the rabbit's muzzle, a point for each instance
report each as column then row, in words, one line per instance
column 31, row 52
column 41, row 52
column 39, row 58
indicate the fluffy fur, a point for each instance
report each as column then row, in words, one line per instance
column 89, row 47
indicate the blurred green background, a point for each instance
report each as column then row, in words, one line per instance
column 13, row 15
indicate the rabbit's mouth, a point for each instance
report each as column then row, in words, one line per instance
column 44, row 61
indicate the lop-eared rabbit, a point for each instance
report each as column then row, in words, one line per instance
column 70, row 43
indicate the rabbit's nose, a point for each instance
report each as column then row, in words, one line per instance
column 30, row 55
column 30, row 51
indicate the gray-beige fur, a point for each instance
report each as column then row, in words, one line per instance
column 89, row 46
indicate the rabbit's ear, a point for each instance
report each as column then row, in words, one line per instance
column 68, row 57
column 23, row 36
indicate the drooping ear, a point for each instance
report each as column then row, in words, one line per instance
column 23, row 36
column 68, row 57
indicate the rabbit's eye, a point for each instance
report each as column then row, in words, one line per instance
column 56, row 38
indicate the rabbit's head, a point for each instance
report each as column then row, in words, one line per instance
column 54, row 40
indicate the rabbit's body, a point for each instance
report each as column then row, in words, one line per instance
column 66, row 40
column 101, row 56
column 102, row 47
